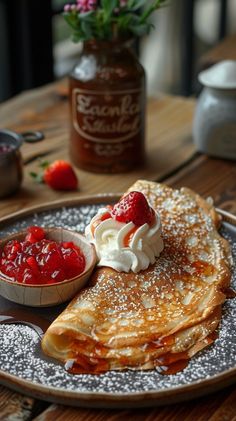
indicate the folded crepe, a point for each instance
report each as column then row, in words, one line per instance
column 157, row 317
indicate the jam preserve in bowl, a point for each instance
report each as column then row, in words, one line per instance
column 44, row 267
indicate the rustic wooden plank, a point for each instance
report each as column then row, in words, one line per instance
column 198, row 410
column 14, row 406
column 210, row 177
column 29, row 105
column 226, row 412
column 169, row 144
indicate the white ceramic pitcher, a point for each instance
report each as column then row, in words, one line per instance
column 214, row 127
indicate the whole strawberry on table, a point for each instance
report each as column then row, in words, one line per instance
column 59, row 175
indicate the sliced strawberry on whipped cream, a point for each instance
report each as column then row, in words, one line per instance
column 127, row 236
column 133, row 207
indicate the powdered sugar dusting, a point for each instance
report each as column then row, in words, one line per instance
column 21, row 354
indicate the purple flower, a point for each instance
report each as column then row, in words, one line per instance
column 86, row 5
column 123, row 3
column 70, row 7
column 67, row 8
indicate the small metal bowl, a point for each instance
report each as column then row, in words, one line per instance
column 46, row 295
column 11, row 166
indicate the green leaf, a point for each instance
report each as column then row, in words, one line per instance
column 140, row 30
column 78, row 36
column 109, row 6
column 136, row 5
column 123, row 21
column 44, row 164
column 88, row 16
column 72, row 20
column 37, row 177
column 87, row 30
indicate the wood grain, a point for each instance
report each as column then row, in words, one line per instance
column 14, row 406
column 210, row 177
column 227, row 411
column 203, row 409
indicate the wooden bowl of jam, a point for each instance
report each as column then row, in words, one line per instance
column 42, row 267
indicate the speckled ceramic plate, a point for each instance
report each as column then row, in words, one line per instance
column 23, row 367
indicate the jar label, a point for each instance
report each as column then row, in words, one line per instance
column 103, row 117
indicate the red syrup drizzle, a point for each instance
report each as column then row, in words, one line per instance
column 202, row 267
column 174, row 363
column 166, row 364
column 173, row 368
column 82, row 366
column 101, row 218
column 129, row 236
column 230, row 293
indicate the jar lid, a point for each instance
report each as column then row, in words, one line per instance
column 222, row 75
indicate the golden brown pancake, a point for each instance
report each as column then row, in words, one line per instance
column 158, row 316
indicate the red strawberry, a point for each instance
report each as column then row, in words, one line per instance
column 60, row 176
column 133, row 208
column 32, row 263
column 35, row 234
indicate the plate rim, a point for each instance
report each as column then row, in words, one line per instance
column 114, row 400
column 86, row 199
column 83, row 200
column 110, row 399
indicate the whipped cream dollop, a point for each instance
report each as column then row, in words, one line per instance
column 124, row 246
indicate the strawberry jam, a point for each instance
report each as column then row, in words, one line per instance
column 38, row 260
column 4, row 148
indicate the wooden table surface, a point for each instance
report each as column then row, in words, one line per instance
column 171, row 157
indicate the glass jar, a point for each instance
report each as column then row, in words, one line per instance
column 107, row 100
